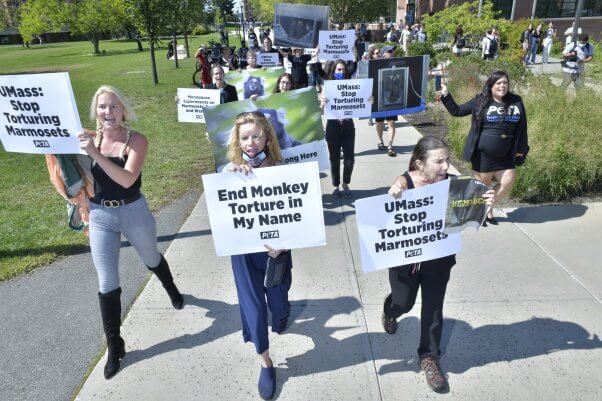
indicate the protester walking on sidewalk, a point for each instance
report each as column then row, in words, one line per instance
column 387, row 52
column 340, row 134
column 253, row 144
column 119, row 207
column 575, row 56
column 429, row 164
column 497, row 141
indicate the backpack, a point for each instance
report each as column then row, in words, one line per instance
column 522, row 37
column 460, row 42
column 393, row 37
column 492, row 46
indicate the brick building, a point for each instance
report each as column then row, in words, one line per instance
column 561, row 12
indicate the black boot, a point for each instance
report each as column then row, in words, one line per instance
column 164, row 275
column 110, row 311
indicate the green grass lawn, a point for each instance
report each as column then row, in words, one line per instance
column 33, row 229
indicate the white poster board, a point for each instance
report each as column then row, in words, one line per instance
column 348, row 98
column 268, row 59
column 395, row 232
column 39, row 114
column 279, row 206
column 335, row 45
column 308, row 152
column 191, row 103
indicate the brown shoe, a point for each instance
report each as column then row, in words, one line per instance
column 434, row 376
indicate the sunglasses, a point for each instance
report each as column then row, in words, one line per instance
column 250, row 113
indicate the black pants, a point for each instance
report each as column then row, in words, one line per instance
column 341, row 135
column 432, row 278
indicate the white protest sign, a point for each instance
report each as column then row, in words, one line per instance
column 395, row 232
column 191, row 103
column 335, row 45
column 347, row 98
column 39, row 114
column 279, row 206
column 308, row 152
column 268, row 59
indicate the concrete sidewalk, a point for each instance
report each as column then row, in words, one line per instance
column 523, row 313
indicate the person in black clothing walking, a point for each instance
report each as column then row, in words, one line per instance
column 429, row 164
column 497, row 141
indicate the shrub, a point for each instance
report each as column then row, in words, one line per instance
column 421, row 48
column 201, row 30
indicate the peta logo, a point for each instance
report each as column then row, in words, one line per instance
column 348, row 113
column 269, row 234
column 41, row 144
column 413, row 252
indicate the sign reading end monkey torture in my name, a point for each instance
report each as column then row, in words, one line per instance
column 347, row 98
column 38, row 114
column 335, row 45
column 396, row 232
column 191, row 103
column 279, row 206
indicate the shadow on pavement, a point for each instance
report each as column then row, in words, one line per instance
column 542, row 214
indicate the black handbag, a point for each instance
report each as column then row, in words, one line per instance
column 277, row 268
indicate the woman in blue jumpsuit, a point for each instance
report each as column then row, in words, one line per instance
column 253, row 144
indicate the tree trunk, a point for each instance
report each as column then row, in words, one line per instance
column 153, row 62
column 186, row 43
column 95, row 42
column 175, row 49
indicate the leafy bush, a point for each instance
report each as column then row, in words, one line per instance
column 421, row 48
column 564, row 157
column 201, row 30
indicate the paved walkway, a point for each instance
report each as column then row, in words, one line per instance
column 554, row 68
column 523, row 313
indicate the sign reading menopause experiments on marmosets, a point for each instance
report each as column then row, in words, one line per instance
column 192, row 102
column 335, row 45
column 279, row 206
column 38, row 114
column 347, row 98
column 395, row 232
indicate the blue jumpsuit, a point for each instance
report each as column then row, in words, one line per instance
column 249, row 275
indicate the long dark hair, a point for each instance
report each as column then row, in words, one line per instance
column 484, row 98
column 426, row 143
column 330, row 71
column 290, row 78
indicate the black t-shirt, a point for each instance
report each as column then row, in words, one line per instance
column 497, row 135
column 298, row 68
column 106, row 188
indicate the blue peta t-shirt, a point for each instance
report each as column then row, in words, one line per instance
column 499, row 125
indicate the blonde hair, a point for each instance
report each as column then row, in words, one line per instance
column 128, row 116
column 273, row 152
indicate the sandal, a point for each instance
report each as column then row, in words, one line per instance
column 391, row 152
column 381, row 146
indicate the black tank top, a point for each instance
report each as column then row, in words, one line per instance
column 106, row 188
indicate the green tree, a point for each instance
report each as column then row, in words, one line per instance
column 443, row 23
column 92, row 18
column 149, row 17
column 40, row 16
column 226, row 7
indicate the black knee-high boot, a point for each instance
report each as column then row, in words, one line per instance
column 164, row 274
column 110, row 311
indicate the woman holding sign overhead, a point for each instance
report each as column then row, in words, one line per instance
column 428, row 165
column 119, row 207
column 262, row 279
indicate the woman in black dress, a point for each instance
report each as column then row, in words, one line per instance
column 497, row 141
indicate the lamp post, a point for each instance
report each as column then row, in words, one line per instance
column 577, row 21
column 480, row 8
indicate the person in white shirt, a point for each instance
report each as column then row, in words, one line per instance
column 575, row 57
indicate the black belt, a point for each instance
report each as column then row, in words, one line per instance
column 116, row 202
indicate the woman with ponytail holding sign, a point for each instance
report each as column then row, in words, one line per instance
column 119, row 207
column 428, row 165
column 253, row 144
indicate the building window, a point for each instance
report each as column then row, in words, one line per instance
column 505, row 6
column 567, row 8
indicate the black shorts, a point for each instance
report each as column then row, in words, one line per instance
column 381, row 119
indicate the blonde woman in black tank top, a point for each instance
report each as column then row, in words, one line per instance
column 118, row 207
